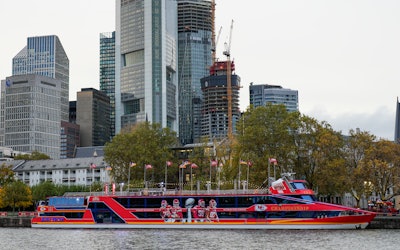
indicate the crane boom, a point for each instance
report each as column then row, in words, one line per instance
column 227, row 52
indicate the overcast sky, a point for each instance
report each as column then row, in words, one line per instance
column 343, row 56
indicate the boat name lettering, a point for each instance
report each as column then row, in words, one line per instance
column 46, row 219
column 289, row 208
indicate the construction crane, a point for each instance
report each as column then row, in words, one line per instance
column 214, row 46
column 227, row 53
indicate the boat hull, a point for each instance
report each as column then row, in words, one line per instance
column 198, row 226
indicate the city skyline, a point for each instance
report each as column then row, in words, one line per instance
column 341, row 55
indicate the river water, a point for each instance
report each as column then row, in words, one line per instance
column 28, row 238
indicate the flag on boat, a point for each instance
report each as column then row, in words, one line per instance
column 108, row 168
column 148, row 166
column 214, row 163
column 92, row 165
column 194, row 165
column 273, row 161
column 133, row 164
column 169, row 163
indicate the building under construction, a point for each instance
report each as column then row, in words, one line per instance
column 215, row 115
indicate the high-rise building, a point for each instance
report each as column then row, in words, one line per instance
column 146, row 63
column 70, row 139
column 397, row 123
column 93, row 117
column 30, row 118
column 215, row 120
column 45, row 55
column 107, row 72
column 261, row 94
column 194, row 52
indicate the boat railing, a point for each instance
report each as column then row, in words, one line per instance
column 160, row 192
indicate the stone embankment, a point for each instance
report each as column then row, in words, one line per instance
column 385, row 222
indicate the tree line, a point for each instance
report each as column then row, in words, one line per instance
column 332, row 164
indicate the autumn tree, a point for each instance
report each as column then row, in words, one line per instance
column 6, row 174
column 358, row 143
column 16, row 195
column 141, row 144
column 381, row 164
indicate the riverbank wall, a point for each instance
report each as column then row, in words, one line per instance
column 380, row 222
column 15, row 221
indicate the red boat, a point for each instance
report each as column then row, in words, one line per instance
column 287, row 204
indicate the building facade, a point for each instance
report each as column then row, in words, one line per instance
column 93, row 117
column 397, row 123
column 30, row 118
column 261, row 94
column 45, row 55
column 194, row 52
column 146, row 63
column 77, row 171
column 107, row 72
column 70, row 139
column 214, row 122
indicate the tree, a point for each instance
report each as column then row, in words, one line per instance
column 43, row 190
column 16, row 195
column 141, row 144
column 356, row 147
column 264, row 133
column 6, row 174
column 35, row 155
column 382, row 163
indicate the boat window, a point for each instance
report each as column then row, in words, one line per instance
column 299, row 185
column 131, row 202
column 245, row 201
column 226, row 202
column 308, row 197
column 264, row 200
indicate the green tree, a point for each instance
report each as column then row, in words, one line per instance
column 142, row 144
column 263, row 133
column 35, row 155
column 16, row 195
column 44, row 190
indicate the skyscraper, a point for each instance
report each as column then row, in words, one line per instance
column 397, row 123
column 194, row 52
column 107, row 72
column 45, row 55
column 30, row 119
column 146, row 63
column 215, row 120
column 261, row 94
column 93, row 117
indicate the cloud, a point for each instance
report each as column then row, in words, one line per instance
column 380, row 122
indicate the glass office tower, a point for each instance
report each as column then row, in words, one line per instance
column 146, row 63
column 107, row 72
column 45, row 55
column 194, row 51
